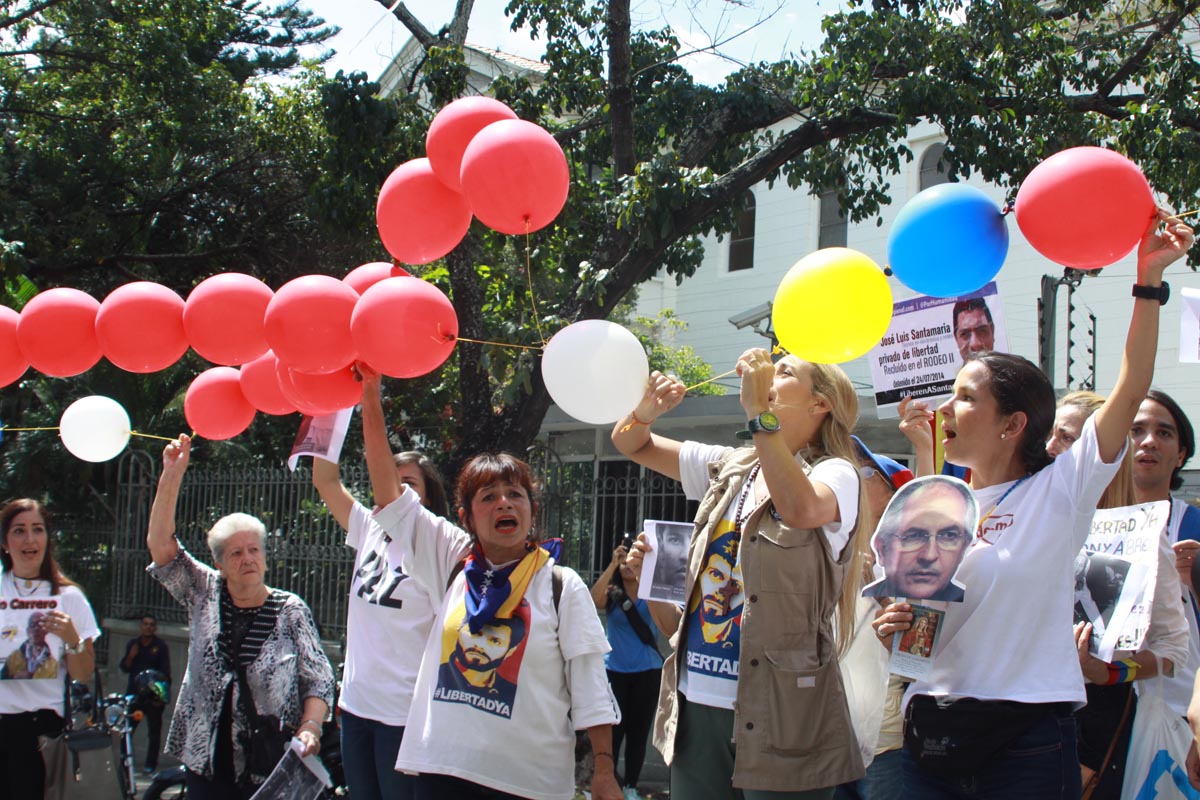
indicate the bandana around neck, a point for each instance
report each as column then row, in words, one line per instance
column 495, row 592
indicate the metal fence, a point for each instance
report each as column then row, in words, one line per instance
column 589, row 503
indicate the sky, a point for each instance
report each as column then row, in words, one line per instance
column 370, row 35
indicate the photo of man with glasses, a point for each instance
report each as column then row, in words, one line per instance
column 922, row 538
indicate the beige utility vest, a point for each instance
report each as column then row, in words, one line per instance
column 792, row 727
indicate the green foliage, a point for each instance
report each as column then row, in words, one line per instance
column 657, row 335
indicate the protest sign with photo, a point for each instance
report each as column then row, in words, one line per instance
column 27, row 651
column 927, row 341
column 295, row 777
column 1115, row 574
column 664, row 569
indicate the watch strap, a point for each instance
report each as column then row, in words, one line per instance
column 1160, row 293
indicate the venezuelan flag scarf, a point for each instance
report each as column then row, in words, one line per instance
column 495, row 592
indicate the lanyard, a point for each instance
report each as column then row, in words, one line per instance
column 995, row 505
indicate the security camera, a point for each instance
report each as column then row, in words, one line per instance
column 751, row 317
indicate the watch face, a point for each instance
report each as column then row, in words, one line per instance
column 769, row 421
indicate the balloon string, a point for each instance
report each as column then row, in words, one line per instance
column 537, row 321
column 497, row 344
column 7, row 429
column 1187, row 213
column 152, row 436
column 710, row 380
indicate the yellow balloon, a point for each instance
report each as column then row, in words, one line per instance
column 832, row 306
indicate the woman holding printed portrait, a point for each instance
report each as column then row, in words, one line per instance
column 777, row 547
column 994, row 716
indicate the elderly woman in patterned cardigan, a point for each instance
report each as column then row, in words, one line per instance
column 256, row 670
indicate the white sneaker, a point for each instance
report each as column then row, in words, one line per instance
column 631, row 793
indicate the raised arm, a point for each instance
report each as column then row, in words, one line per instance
column 1155, row 253
column 337, row 498
column 600, row 587
column 385, row 484
column 916, row 423
column 632, row 437
column 160, row 537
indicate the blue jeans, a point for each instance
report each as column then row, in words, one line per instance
column 884, row 780
column 369, row 751
column 1041, row 764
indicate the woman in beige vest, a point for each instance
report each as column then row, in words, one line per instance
column 751, row 703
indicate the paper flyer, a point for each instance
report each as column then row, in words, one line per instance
column 913, row 649
column 295, row 777
column 1189, row 327
column 321, row 437
column 664, row 569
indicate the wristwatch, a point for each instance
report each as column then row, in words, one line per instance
column 75, row 649
column 1159, row 293
column 766, row 422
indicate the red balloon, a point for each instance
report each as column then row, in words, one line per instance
column 419, row 218
column 57, row 332
column 362, row 278
column 404, row 327
column 308, row 324
column 12, row 361
column 515, row 176
column 215, row 407
column 452, row 130
column 223, row 318
column 1085, row 207
column 319, row 394
column 140, row 327
column 260, row 385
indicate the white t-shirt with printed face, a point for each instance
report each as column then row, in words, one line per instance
column 32, row 673
column 711, row 652
column 387, row 625
column 498, row 708
column 1011, row 638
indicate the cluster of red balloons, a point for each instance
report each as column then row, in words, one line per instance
column 482, row 161
column 295, row 347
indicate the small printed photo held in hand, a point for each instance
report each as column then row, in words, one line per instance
column 664, row 568
column 921, row 540
column 913, row 649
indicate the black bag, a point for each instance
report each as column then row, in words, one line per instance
column 268, row 742
column 81, row 763
column 959, row 738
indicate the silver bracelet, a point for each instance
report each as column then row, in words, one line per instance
column 316, row 725
column 75, row 649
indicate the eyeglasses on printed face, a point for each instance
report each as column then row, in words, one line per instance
column 948, row 539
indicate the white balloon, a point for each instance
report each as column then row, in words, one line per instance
column 94, row 428
column 595, row 370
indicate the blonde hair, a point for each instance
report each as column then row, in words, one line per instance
column 833, row 386
column 1119, row 491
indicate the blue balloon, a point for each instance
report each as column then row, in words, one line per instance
column 949, row 240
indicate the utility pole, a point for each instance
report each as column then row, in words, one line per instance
column 1047, row 339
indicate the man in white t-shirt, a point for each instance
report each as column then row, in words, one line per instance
column 1163, row 441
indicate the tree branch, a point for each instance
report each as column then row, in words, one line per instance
column 1138, row 59
column 21, row 16
column 419, row 31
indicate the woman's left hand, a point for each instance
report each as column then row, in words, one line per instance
column 60, row 625
column 604, row 783
column 310, row 740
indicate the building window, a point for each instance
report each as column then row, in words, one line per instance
column 934, row 169
column 833, row 221
column 741, row 241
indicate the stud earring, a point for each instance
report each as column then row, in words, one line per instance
column 1003, row 435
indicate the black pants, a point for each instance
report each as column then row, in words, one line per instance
column 201, row 788
column 23, row 771
column 154, row 718
column 429, row 786
column 637, row 695
column 1100, row 724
